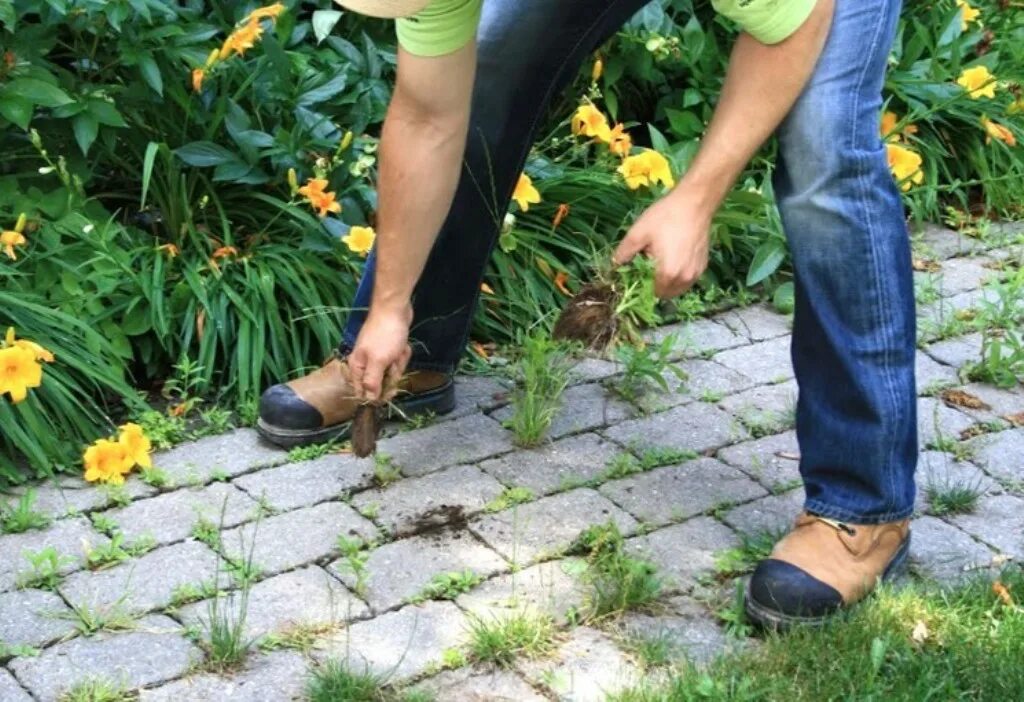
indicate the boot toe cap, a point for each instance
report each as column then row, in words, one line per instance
column 789, row 591
column 281, row 407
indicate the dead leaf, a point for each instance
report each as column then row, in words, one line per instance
column 486, row 289
column 926, row 265
column 788, row 455
column 480, row 350
column 1016, row 420
column 1003, row 593
column 920, row 633
column 1001, row 559
column 962, row 398
column 177, row 410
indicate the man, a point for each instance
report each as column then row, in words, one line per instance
column 809, row 70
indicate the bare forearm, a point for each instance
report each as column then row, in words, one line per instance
column 761, row 86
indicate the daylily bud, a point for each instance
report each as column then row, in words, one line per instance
column 293, row 181
column 595, row 73
column 19, row 226
column 212, row 58
column 33, row 136
column 346, row 141
column 46, row 170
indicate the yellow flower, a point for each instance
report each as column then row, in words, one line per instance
column 646, row 168
column 888, row 127
column 9, row 238
column 525, row 194
column 241, row 39
column 905, row 166
column 19, row 371
column 38, row 351
column 107, row 461
column 597, row 70
column 171, row 250
column 315, row 191
column 589, row 121
column 360, row 240
column 197, row 79
column 997, row 131
column 269, row 12
column 619, row 141
column 978, row 82
column 1016, row 107
column 968, row 14
column 137, row 446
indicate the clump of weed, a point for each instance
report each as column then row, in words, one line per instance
column 45, row 568
column 543, row 374
column 509, row 497
column 645, row 367
column 500, row 641
column 742, row 559
column 616, row 581
column 447, row 586
column 21, row 517
column 385, row 471
column 953, row 496
column 97, row 690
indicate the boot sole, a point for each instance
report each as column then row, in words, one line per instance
column 439, row 401
column 774, row 620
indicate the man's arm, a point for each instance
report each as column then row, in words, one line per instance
column 421, row 152
column 762, row 84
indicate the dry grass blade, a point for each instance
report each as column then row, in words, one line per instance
column 961, row 398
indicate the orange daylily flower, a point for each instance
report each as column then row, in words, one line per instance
column 561, row 278
column 225, row 251
column 315, row 192
column 995, row 130
column 107, row 461
column 1003, row 593
column 178, row 409
column 20, row 367
column 888, row 127
column 38, row 351
column 242, row 39
column 560, row 215
column 269, row 12
column 9, row 238
column 590, row 121
column 197, row 79
column 525, row 194
column 620, row 142
column 136, row 445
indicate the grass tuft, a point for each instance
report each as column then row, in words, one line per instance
column 543, row 373
column 501, row 641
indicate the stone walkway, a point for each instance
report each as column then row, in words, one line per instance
column 294, row 518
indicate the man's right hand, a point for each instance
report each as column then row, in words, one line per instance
column 381, row 353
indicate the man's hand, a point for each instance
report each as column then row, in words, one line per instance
column 381, row 354
column 675, row 232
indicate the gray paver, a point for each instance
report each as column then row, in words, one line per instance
column 10, row 690
column 584, row 408
column 1000, row 402
column 401, row 644
column 65, row 537
column 684, row 551
column 704, row 380
column 769, row 514
column 33, row 618
column 588, row 667
column 553, row 466
column 170, row 517
column 689, row 628
column 68, row 496
column 274, row 677
column 958, row 351
column 942, row 242
column 234, row 453
column 930, row 372
column 963, row 274
column 478, row 685
column 999, row 522
column 141, row 584
column 941, row 551
column 590, row 370
column 765, row 409
column 549, row 525
column 698, row 337
column 152, row 653
column 296, row 538
column 552, row 588
column 757, row 322
column 774, row 460
column 696, row 427
column 476, row 392
column 399, row 570
column 667, row 495
column 464, row 440
column 938, row 422
column 1000, row 454
column 416, row 504
column 306, row 483
column 764, row 362
column 308, row 597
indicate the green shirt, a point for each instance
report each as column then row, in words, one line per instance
column 445, row 26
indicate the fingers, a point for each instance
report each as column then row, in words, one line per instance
column 669, row 284
column 357, row 368
column 373, row 379
column 633, row 243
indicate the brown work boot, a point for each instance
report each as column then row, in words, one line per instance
column 823, row 566
column 319, row 407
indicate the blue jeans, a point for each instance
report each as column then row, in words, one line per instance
column 853, row 333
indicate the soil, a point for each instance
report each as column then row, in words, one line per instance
column 365, row 429
column 589, row 317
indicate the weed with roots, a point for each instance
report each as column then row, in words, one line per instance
column 543, row 371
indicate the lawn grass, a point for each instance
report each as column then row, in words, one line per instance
column 914, row 643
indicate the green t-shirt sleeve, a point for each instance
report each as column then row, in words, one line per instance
column 442, row 27
column 769, row 21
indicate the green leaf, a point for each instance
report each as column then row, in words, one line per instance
column 16, row 110
column 151, row 73
column 152, row 149
column 86, row 128
column 685, row 124
column 204, row 154
column 784, row 299
column 106, row 113
column 323, row 23
column 767, row 259
column 37, row 92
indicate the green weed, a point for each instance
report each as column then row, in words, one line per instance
column 502, row 641
column 21, row 517
column 644, row 368
column 385, row 471
column 953, row 496
column 98, row 690
column 45, row 565
column 616, row 582
column 543, row 373
column 447, row 586
column 308, row 453
column 510, row 497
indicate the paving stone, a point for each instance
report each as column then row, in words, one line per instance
column 774, row 460
column 464, row 440
column 305, row 597
column 292, row 539
column 155, row 651
column 546, row 527
column 938, row 422
column 32, row 618
column 941, row 551
column 273, row 677
column 930, row 373
column 170, row 517
column 551, row 588
column 399, row 645
column 699, row 337
column 416, row 504
column 999, row 522
column 306, row 483
column 69, row 496
column 478, row 685
column 696, row 427
column 935, row 241
column 941, row 471
column 230, row 454
column 477, row 392
column 556, row 465
column 684, row 551
column 398, row 571
column 766, row 408
column 1000, row 402
column 703, row 381
column 141, row 584
column 671, row 494
column 757, row 322
column 65, row 537
column 689, row 629
column 773, row 514
column 584, row 408
column 962, row 274
column 1000, row 454
column 590, row 370
column 764, row 362
column 957, row 351
column 10, row 690
column 588, row 667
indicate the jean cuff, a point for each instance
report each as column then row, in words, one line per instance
column 822, row 509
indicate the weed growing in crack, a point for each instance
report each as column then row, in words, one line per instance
column 188, row 593
column 207, row 532
column 301, row 637
column 742, row 559
column 90, row 619
column 500, row 641
column 953, row 496
column 21, row 517
column 98, row 690
column 116, row 551
column 385, row 471
column 733, row 613
column 308, row 453
column 650, row 651
column 333, row 681
column 447, row 586
column 155, row 477
column 45, row 566
column 355, row 554
column 510, row 497
column 543, row 374
column 645, row 367
column 616, row 582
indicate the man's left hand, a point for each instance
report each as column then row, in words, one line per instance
column 675, row 232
